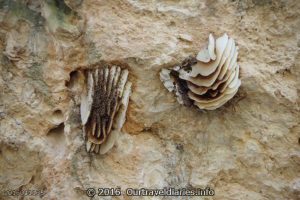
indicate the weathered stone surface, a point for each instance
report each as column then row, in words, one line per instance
column 247, row 149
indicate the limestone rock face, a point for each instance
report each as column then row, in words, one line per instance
column 246, row 149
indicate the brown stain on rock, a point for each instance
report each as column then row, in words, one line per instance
column 132, row 126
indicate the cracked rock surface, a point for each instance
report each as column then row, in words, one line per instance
column 247, row 149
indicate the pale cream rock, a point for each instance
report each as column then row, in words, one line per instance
column 185, row 37
column 247, row 149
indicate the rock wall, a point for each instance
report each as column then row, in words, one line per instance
column 248, row 149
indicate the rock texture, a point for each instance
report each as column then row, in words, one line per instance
column 248, row 149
